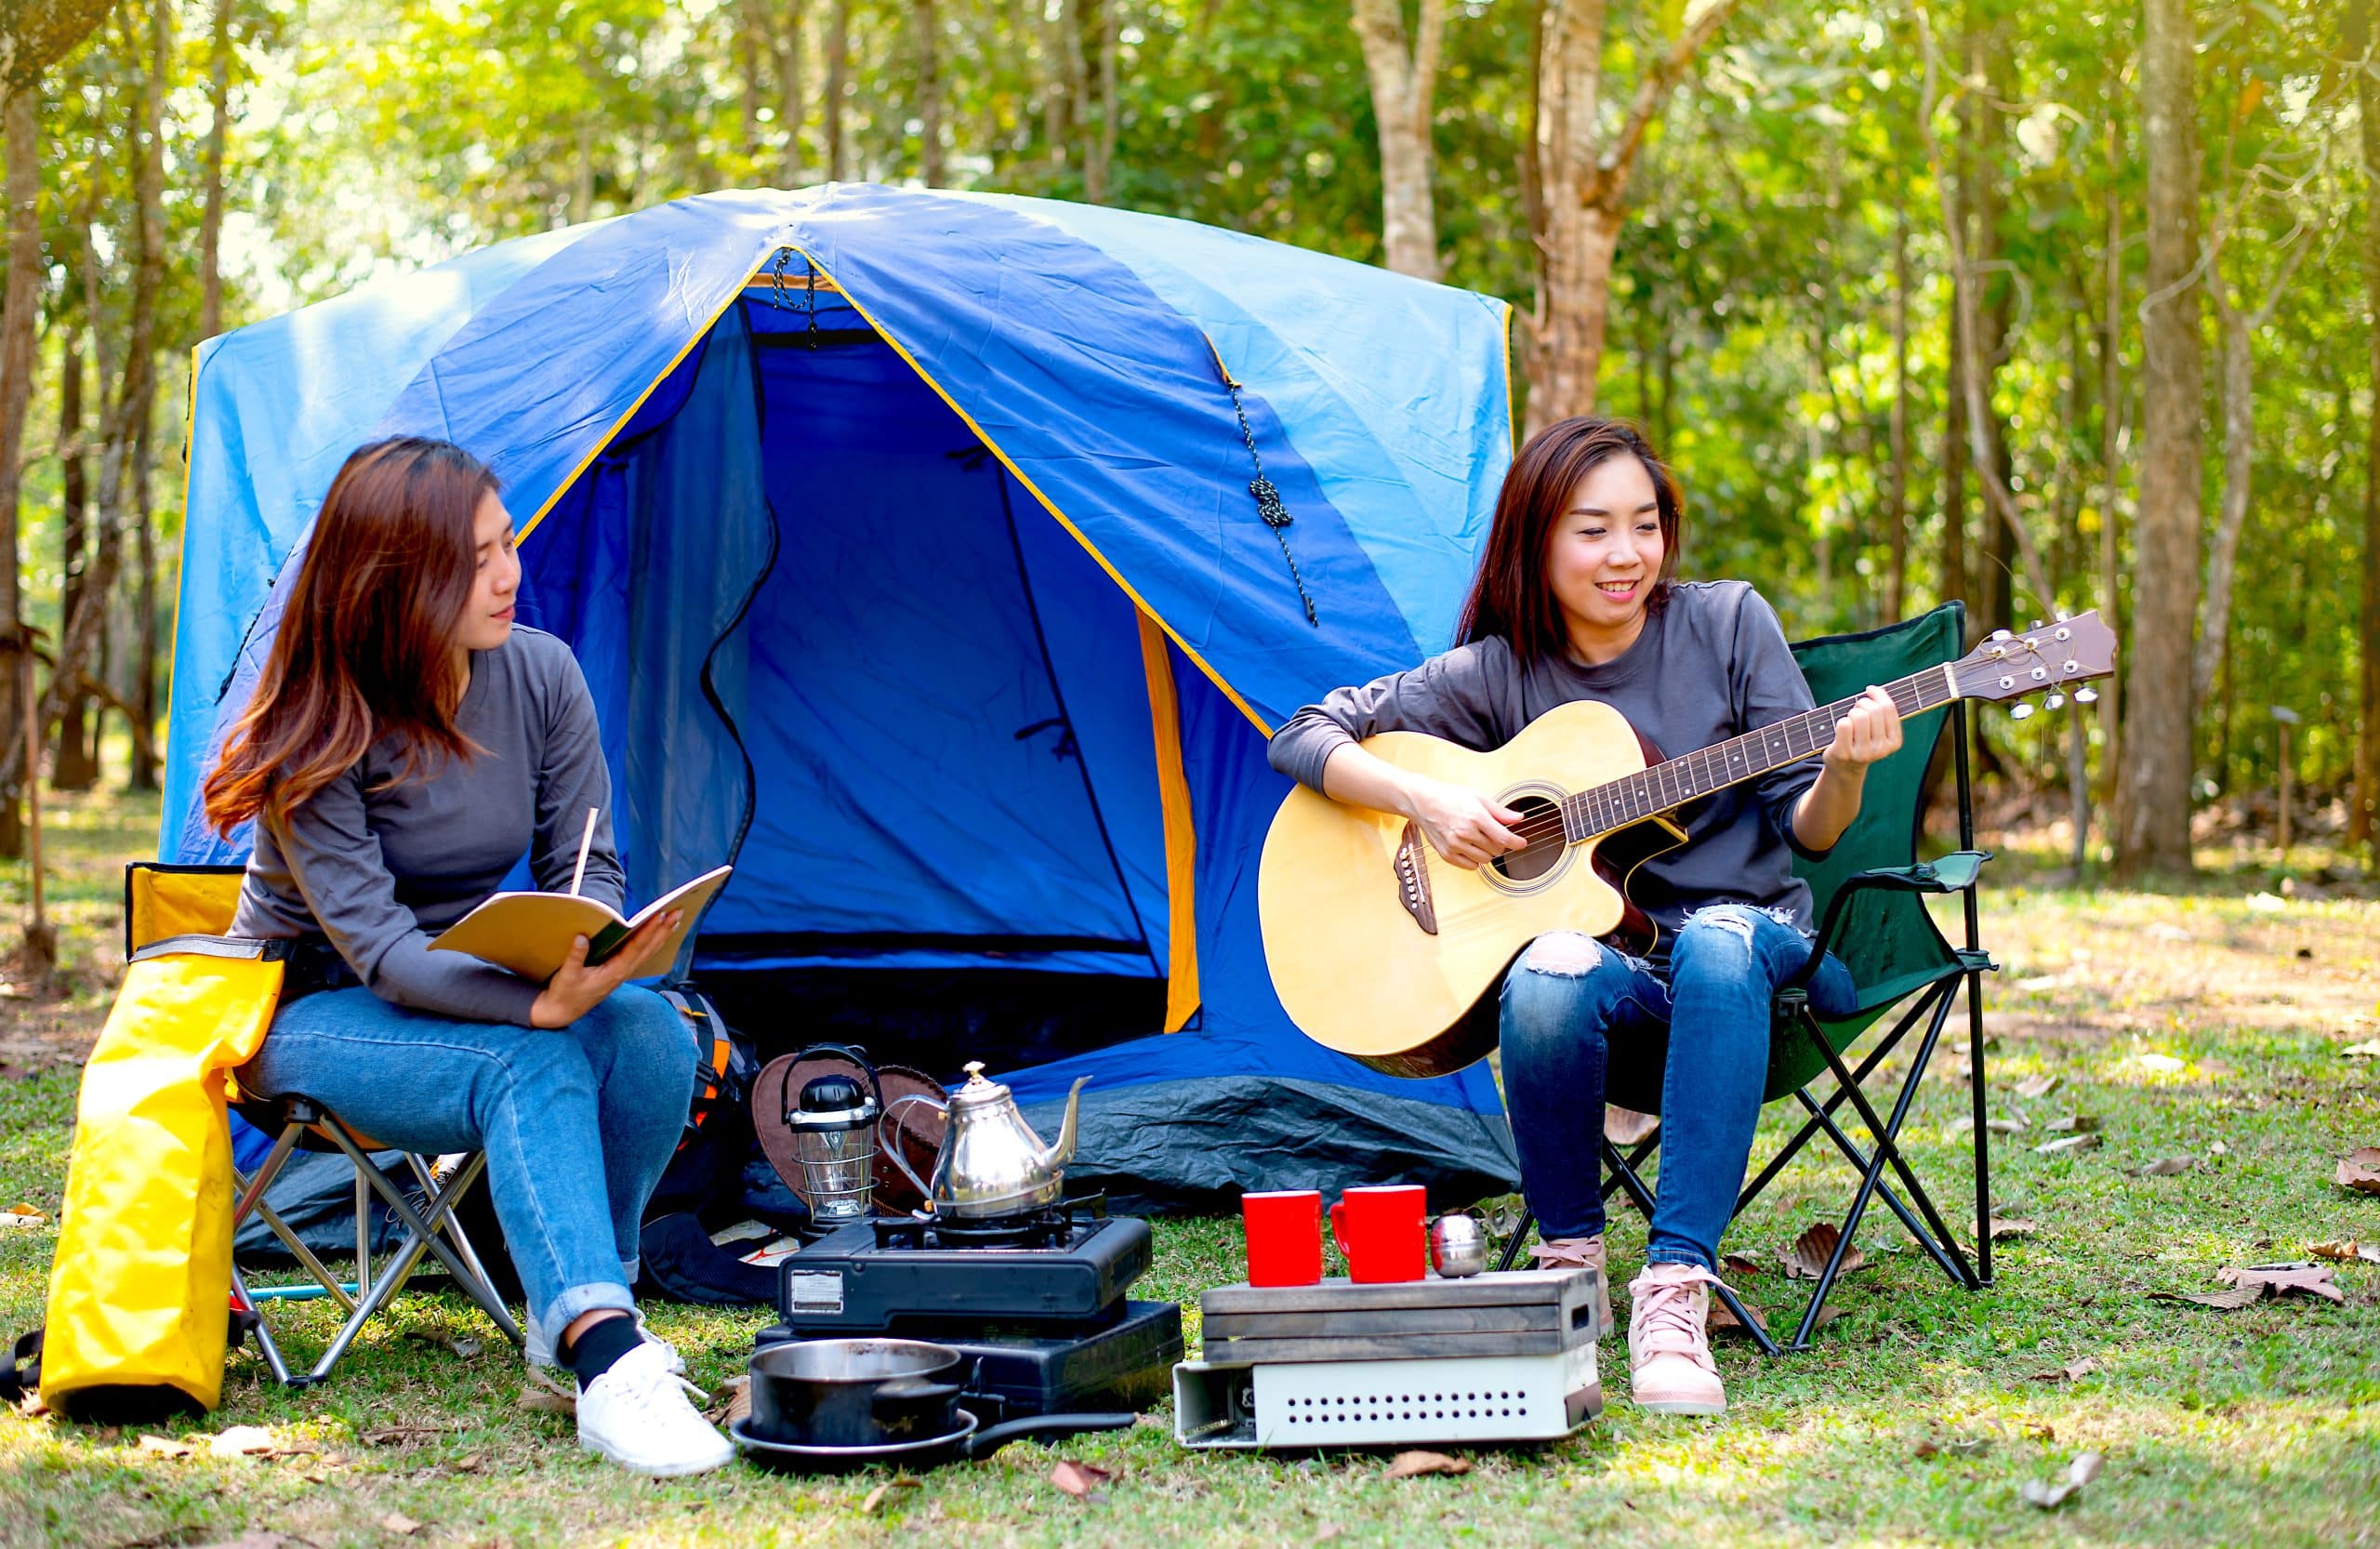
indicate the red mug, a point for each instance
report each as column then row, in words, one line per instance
column 1284, row 1236
column 1380, row 1230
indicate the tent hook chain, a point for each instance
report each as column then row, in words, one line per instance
column 1268, row 501
column 777, row 279
column 809, row 304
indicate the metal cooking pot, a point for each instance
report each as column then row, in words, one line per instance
column 854, row 1392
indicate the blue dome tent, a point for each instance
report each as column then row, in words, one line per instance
column 908, row 543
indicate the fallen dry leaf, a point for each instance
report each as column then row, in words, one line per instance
column 2073, row 1124
column 167, row 1447
column 2280, row 1279
column 1626, row 1126
column 1080, row 1480
column 2228, row 1301
column 2036, row 1086
column 1327, row 1532
column 1973, row 1447
column 2072, row 1371
column 2360, row 1169
column 1407, row 1465
column 241, row 1441
column 2165, row 1167
column 390, row 1436
column 2003, row 1229
column 400, row 1524
column 2348, row 1250
column 1925, row 1449
column 2069, row 1143
column 735, row 1401
column 2005, row 1126
column 1740, row 1264
column 255, row 1538
column 1807, row 1259
column 470, row 1462
column 883, row 1492
column 2048, row 1496
column 2368, row 1050
column 549, row 1400
column 1722, row 1320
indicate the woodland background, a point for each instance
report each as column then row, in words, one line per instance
column 2052, row 305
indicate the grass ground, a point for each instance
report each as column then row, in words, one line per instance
column 2208, row 1025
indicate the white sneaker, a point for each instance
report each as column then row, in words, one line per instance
column 540, row 1350
column 637, row 1415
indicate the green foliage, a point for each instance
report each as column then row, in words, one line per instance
column 1752, row 304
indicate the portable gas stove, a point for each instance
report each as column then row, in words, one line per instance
column 1041, row 1301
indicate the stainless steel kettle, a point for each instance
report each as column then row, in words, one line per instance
column 992, row 1165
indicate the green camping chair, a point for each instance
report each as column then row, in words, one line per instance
column 1870, row 898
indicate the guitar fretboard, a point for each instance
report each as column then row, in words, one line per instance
column 1632, row 797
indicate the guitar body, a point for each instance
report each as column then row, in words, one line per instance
column 1388, row 953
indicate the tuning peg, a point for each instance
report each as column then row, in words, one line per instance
column 2020, row 712
column 2086, row 696
column 2061, row 615
column 2034, row 625
column 1997, row 634
column 2055, row 702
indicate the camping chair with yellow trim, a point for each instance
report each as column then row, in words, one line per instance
column 162, row 902
column 1870, row 893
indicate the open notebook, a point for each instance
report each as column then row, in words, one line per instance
column 529, row 933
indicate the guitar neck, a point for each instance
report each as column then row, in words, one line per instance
column 1632, row 797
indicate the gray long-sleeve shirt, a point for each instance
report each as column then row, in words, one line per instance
column 379, row 870
column 1711, row 665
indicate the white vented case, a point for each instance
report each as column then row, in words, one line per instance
column 1449, row 1398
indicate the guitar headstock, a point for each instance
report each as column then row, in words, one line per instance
column 2011, row 663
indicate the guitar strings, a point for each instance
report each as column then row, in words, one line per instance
column 1551, row 827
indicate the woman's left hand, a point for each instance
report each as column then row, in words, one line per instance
column 1872, row 731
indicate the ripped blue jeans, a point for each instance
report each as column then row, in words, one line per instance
column 1570, row 1005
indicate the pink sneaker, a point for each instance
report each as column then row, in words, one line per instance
column 1580, row 1253
column 1669, row 1354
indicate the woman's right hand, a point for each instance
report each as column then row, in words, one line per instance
column 577, row 989
column 1463, row 827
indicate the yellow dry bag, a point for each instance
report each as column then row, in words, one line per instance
column 141, row 1286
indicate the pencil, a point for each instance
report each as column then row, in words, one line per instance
column 586, row 841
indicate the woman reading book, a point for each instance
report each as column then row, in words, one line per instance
column 406, row 745
column 1574, row 599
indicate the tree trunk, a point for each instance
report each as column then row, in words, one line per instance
column 1110, row 109
column 928, row 23
column 137, row 384
column 1581, row 190
column 839, row 58
column 2111, row 410
column 1897, row 481
column 210, row 226
column 71, row 765
column 1057, row 93
column 2239, row 461
column 2154, row 804
column 2363, row 817
column 1954, row 467
column 1403, row 81
column 789, row 102
column 19, row 315
column 143, row 774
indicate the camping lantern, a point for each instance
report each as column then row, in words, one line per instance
column 834, row 1139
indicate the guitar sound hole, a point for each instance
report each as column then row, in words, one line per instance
column 1544, row 854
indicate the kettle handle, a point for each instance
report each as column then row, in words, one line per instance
column 925, row 1190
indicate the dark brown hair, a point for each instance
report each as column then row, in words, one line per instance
column 366, row 643
column 1510, row 596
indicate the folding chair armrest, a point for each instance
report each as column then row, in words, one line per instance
column 1952, row 873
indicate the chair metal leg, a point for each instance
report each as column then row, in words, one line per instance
column 247, row 1304
column 1982, row 1131
column 1876, row 1056
column 1859, row 1159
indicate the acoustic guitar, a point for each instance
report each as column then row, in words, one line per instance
column 1385, row 951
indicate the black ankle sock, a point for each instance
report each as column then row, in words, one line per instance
column 592, row 1353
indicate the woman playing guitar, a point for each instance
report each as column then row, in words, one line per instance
column 1575, row 599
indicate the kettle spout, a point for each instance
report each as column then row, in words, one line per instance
column 1062, row 1150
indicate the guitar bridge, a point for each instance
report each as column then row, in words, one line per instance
column 1413, row 880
